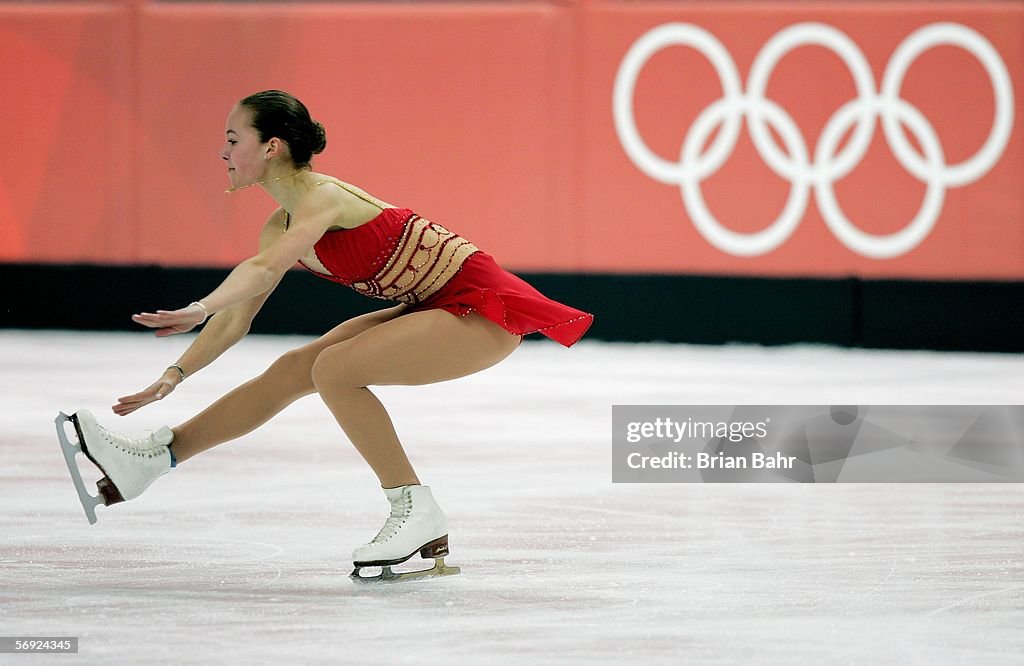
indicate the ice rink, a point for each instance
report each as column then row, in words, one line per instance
column 242, row 555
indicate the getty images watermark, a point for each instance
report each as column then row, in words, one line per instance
column 817, row 443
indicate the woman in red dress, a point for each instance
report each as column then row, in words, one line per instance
column 454, row 301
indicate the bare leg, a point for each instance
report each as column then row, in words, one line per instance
column 252, row 404
column 418, row 348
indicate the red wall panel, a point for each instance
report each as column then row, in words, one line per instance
column 445, row 111
column 497, row 120
column 977, row 230
column 67, row 178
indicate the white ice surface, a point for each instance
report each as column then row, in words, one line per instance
column 242, row 555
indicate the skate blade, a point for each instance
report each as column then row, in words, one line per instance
column 387, row 575
column 70, row 450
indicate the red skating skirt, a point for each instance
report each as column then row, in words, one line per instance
column 483, row 286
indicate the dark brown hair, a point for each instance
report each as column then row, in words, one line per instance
column 276, row 113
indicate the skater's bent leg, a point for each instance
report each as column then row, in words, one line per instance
column 252, row 404
column 419, row 348
column 369, row 428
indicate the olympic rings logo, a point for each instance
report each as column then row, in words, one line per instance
column 796, row 164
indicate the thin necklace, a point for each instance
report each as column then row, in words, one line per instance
column 264, row 182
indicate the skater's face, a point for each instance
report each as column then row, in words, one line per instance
column 246, row 156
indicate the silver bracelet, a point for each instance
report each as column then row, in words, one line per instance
column 181, row 373
column 206, row 313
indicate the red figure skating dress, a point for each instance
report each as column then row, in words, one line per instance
column 401, row 256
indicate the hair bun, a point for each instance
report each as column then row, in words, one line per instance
column 276, row 113
column 319, row 137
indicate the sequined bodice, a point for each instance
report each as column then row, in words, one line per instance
column 397, row 255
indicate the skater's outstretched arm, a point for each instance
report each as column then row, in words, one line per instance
column 313, row 214
column 222, row 332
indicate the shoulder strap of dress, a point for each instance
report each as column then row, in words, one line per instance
column 373, row 201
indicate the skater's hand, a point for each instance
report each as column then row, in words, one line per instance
column 158, row 390
column 172, row 322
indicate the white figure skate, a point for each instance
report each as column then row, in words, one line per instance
column 416, row 524
column 129, row 464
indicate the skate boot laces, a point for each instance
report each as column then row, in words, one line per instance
column 400, row 510
column 147, row 446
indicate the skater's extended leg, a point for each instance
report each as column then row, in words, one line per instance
column 419, row 348
column 252, row 404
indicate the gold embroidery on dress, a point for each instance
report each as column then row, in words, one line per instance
column 426, row 257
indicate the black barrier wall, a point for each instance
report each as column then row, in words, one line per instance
column 893, row 314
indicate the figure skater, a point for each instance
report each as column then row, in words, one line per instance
column 458, row 313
